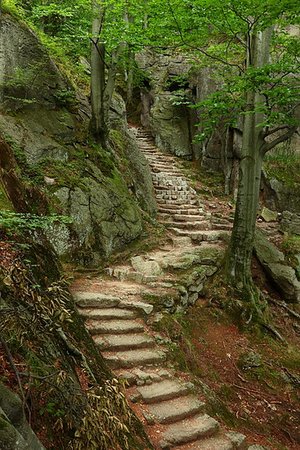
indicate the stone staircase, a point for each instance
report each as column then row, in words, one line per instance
column 179, row 207
column 169, row 406
column 119, row 317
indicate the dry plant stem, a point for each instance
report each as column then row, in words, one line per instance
column 73, row 350
column 13, row 366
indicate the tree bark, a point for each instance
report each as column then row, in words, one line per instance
column 241, row 245
column 98, row 122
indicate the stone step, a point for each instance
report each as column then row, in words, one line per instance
column 161, row 189
column 95, row 300
column 124, row 341
column 157, row 157
column 190, row 210
column 203, row 225
column 176, row 195
column 170, row 190
column 181, row 203
column 113, row 326
column 133, row 358
column 189, row 217
column 168, row 173
column 165, row 390
column 188, row 430
column 199, row 236
column 108, row 313
column 173, row 410
column 229, row 441
column 136, row 376
column 222, row 226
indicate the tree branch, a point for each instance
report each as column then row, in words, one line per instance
column 216, row 58
column 284, row 137
column 274, row 130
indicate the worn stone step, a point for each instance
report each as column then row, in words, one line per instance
column 108, row 313
column 199, row 236
column 203, row 225
column 132, row 358
column 113, row 326
column 95, row 300
column 182, row 203
column 124, row 341
column 230, row 441
column 173, row 410
column 180, row 211
column 165, row 390
column 189, row 217
column 222, row 226
column 168, row 190
column 188, row 430
column 137, row 376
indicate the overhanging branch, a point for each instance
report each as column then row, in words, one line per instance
column 267, row 146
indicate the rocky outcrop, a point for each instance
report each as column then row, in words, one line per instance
column 273, row 261
column 290, row 222
column 15, row 432
column 45, row 122
column 170, row 122
column 279, row 195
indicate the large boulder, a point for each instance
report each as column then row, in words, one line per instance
column 273, row 261
column 104, row 215
column 170, row 123
column 15, row 432
column 32, row 92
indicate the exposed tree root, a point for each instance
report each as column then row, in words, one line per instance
column 273, row 331
column 284, row 306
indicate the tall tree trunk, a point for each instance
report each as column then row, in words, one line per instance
column 241, row 245
column 98, row 122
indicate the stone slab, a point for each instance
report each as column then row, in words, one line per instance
column 132, row 358
column 124, row 341
column 189, row 430
column 164, row 390
column 174, row 410
column 108, row 313
column 95, row 299
column 113, row 326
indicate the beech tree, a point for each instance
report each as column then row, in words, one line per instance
column 256, row 62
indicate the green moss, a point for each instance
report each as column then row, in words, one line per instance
column 284, row 166
column 4, row 201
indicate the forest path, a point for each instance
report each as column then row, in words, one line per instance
column 121, row 309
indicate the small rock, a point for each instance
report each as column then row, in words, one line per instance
column 136, row 397
column 49, row 181
column 268, row 215
column 236, row 438
column 193, row 298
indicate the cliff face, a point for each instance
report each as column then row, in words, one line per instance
column 44, row 121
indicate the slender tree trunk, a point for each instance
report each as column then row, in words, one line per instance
column 241, row 245
column 98, row 122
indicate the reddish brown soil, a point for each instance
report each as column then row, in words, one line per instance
column 263, row 402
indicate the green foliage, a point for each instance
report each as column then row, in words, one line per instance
column 284, row 165
column 11, row 221
column 65, row 97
